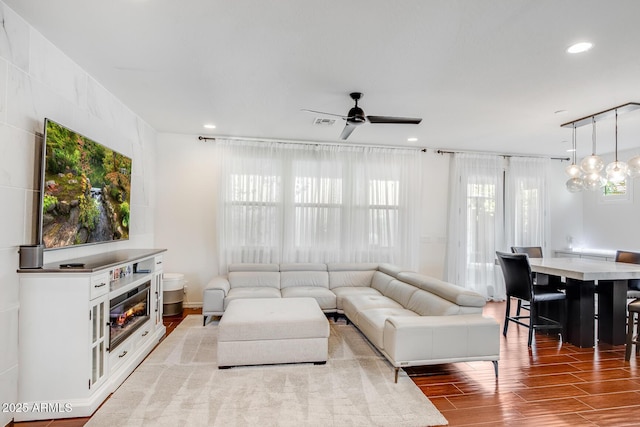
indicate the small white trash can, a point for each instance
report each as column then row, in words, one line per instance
column 172, row 293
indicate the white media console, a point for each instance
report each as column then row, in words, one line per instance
column 84, row 325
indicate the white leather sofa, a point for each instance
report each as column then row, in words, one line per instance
column 412, row 319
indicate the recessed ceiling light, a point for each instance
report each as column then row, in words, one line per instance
column 412, row 139
column 210, row 126
column 579, row 47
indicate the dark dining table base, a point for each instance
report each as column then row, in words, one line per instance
column 612, row 311
column 580, row 319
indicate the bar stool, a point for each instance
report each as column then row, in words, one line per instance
column 634, row 310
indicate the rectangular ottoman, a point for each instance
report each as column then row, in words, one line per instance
column 262, row 331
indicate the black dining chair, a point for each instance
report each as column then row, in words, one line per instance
column 633, row 285
column 519, row 284
column 532, row 251
column 542, row 279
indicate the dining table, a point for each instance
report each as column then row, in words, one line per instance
column 584, row 279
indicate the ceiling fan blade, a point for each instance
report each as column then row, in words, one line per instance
column 394, row 120
column 348, row 128
column 322, row 112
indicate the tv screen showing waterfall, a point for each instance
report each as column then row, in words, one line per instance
column 86, row 190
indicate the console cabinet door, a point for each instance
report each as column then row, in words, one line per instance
column 98, row 319
column 157, row 288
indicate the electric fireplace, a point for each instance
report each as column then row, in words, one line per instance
column 127, row 312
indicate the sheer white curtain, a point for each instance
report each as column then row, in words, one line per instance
column 526, row 202
column 476, row 221
column 317, row 203
column 495, row 203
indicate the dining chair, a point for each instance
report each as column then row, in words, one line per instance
column 633, row 310
column 542, row 279
column 532, row 251
column 519, row 285
column 633, row 285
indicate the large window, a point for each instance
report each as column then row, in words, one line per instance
column 298, row 203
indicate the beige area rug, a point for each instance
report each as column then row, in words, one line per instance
column 179, row 384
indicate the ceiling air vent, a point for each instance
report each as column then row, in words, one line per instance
column 324, row 121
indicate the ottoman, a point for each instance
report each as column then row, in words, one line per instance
column 262, row 331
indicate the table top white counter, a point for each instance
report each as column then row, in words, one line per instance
column 585, row 269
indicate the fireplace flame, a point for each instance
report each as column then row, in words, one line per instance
column 136, row 310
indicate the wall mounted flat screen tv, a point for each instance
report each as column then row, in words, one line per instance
column 86, row 190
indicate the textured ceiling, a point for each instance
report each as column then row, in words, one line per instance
column 484, row 75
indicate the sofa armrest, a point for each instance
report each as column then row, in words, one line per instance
column 214, row 294
column 443, row 339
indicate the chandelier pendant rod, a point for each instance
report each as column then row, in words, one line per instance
column 624, row 108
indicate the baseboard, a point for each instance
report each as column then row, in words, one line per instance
column 192, row 304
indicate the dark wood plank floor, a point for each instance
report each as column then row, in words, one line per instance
column 551, row 384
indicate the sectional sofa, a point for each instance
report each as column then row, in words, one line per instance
column 412, row 319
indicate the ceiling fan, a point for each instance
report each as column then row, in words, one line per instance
column 356, row 117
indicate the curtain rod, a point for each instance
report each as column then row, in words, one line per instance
column 289, row 141
column 562, row 159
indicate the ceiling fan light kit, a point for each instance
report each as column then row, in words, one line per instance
column 356, row 117
column 589, row 176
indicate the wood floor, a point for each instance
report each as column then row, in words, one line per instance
column 551, row 384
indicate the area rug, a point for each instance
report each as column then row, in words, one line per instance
column 179, row 383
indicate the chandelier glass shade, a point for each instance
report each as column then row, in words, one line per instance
column 573, row 171
column 616, row 171
column 593, row 181
column 633, row 166
column 575, row 185
column 591, row 164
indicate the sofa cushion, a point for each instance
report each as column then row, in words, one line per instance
column 380, row 281
column 290, row 279
column 254, row 279
column 345, row 291
column 352, row 305
column 247, row 292
column 340, row 275
column 323, row 296
column 456, row 294
column 427, row 304
column 390, row 269
column 400, row 292
column 371, row 322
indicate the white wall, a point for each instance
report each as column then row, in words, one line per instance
column 565, row 211
column 185, row 214
column 36, row 81
column 434, row 213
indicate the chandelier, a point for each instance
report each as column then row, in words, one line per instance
column 589, row 175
